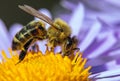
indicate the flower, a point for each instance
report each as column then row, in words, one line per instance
column 98, row 34
column 43, row 67
column 50, row 67
column 102, row 49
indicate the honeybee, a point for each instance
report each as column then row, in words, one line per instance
column 58, row 34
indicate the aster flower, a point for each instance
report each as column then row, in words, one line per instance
column 96, row 36
column 99, row 40
column 47, row 67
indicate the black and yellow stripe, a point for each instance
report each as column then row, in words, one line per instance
column 28, row 32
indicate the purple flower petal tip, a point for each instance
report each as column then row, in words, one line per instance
column 77, row 19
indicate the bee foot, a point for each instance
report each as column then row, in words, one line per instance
column 18, row 62
column 46, row 47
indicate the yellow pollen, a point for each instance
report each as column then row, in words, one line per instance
column 43, row 67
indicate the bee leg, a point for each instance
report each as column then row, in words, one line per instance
column 22, row 55
column 24, row 51
column 67, row 53
column 77, row 49
column 35, row 48
column 53, row 41
column 52, row 48
column 60, row 52
column 46, row 47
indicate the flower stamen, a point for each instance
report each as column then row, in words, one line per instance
column 44, row 67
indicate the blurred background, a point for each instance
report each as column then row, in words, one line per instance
column 108, row 10
column 10, row 13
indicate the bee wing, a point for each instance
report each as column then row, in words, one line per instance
column 35, row 13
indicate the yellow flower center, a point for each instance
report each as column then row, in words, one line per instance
column 43, row 67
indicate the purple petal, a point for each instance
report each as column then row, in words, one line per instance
column 112, row 75
column 110, row 65
column 42, row 46
column 4, row 37
column 106, row 17
column 113, row 2
column 101, row 60
column 4, row 33
column 77, row 19
column 97, row 69
column 65, row 17
column 110, row 41
column 94, row 9
column 93, row 32
column 68, row 5
column 116, row 52
column 105, row 62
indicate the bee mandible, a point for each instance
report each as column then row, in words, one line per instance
column 58, row 34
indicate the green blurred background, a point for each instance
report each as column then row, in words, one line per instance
column 10, row 13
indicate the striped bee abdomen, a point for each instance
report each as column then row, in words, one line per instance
column 20, row 39
column 33, row 31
